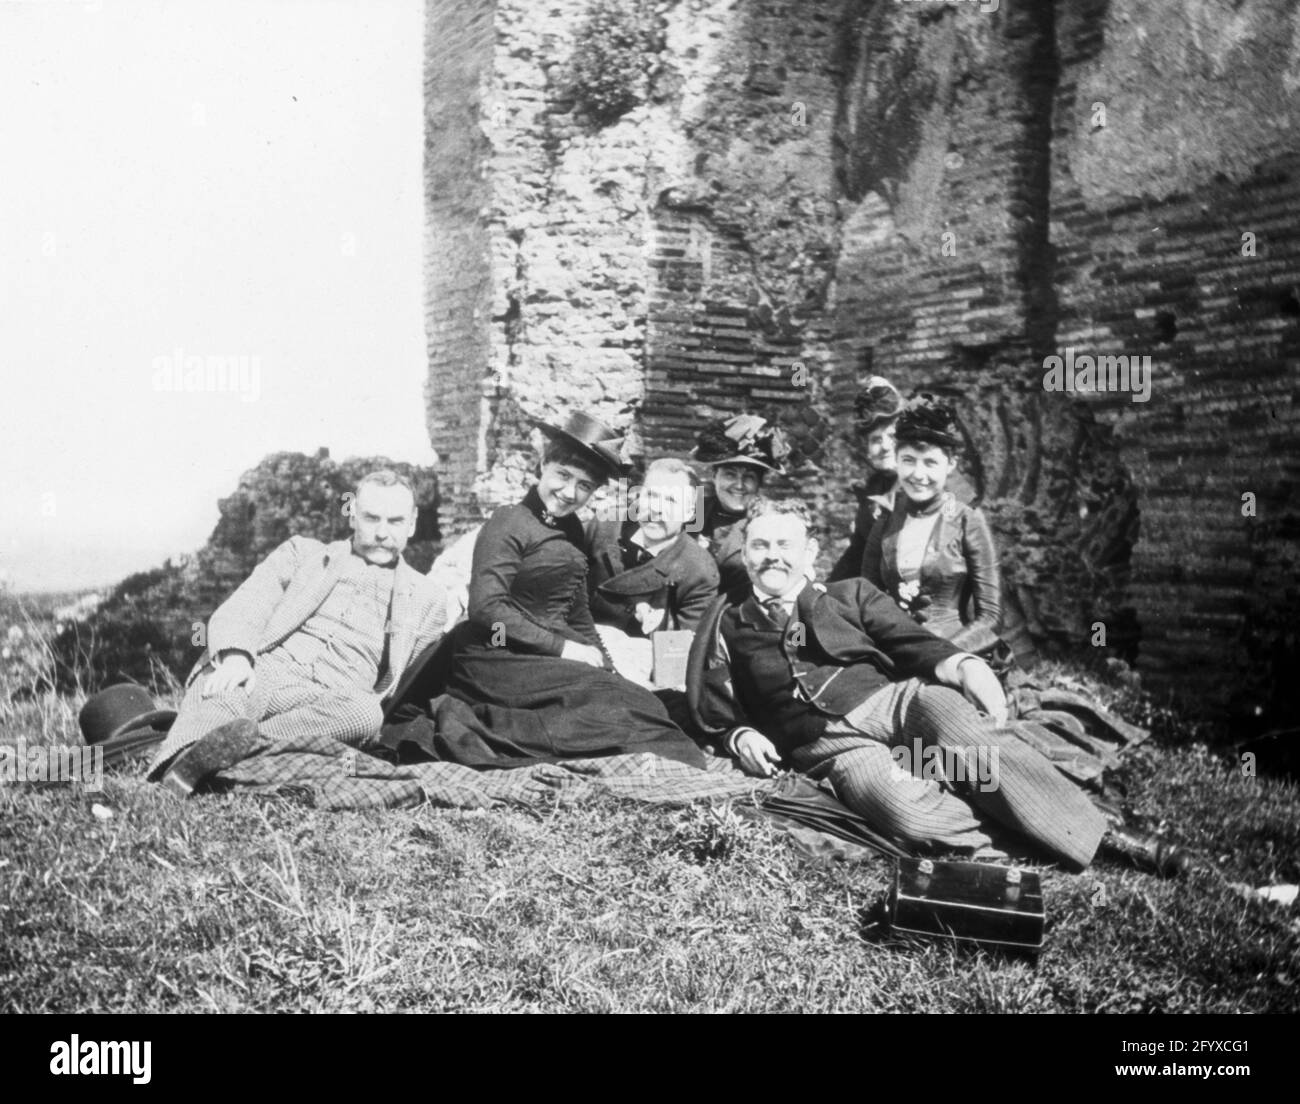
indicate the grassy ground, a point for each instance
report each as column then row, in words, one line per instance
column 242, row 903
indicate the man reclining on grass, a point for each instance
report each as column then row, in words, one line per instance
column 310, row 643
column 829, row 679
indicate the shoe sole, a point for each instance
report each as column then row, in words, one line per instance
column 223, row 747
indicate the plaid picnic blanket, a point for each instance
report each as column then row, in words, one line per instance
column 336, row 776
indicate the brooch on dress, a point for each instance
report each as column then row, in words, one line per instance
column 913, row 600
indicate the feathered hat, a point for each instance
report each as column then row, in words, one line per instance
column 877, row 404
column 927, row 421
column 742, row 439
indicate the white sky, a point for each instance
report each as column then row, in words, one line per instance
column 240, row 178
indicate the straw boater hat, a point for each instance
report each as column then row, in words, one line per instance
column 591, row 439
column 927, row 421
column 877, row 404
column 743, row 439
column 123, row 719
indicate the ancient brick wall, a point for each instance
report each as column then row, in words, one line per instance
column 746, row 235
column 459, row 44
column 1198, row 148
column 799, row 195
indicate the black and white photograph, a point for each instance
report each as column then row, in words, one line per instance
column 651, row 506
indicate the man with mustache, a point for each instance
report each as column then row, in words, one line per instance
column 829, row 679
column 634, row 561
column 639, row 566
column 310, row 644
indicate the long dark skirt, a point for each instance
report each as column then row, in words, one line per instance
column 503, row 709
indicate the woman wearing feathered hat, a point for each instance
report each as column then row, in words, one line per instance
column 529, row 679
column 742, row 451
column 876, row 410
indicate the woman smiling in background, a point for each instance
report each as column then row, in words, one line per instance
column 742, row 451
column 932, row 554
column 938, row 559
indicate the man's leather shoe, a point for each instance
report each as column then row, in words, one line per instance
column 1148, row 852
column 223, row 747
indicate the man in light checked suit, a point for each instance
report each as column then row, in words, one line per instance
column 829, row 679
column 310, row 643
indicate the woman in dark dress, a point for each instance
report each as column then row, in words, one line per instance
column 876, row 409
column 742, row 451
column 529, row 680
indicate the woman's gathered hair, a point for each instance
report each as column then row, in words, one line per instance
column 559, row 451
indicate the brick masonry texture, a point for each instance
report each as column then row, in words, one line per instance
column 803, row 194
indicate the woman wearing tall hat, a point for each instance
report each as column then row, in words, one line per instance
column 938, row 559
column 876, row 411
column 529, row 679
column 742, row 452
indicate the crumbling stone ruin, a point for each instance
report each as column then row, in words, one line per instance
column 665, row 212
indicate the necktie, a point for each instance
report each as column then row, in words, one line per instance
column 776, row 612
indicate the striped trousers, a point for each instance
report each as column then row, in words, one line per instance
column 858, row 757
column 284, row 702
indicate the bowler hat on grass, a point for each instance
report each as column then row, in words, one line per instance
column 591, row 439
column 123, row 719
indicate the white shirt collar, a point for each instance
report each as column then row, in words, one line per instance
column 654, row 549
column 788, row 599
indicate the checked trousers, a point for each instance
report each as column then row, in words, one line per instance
column 1030, row 795
column 284, row 702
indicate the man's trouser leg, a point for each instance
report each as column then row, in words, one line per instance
column 199, row 715
column 296, row 708
column 284, row 702
column 1027, row 793
column 864, row 776
column 854, row 757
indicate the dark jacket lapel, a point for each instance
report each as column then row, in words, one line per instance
column 889, row 550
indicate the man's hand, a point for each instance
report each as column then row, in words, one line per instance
column 582, row 653
column 757, row 754
column 981, row 686
column 234, row 670
column 649, row 617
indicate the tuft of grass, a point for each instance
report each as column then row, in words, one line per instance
column 246, row 902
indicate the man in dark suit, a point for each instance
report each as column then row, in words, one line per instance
column 637, row 566
column 633, row 562
column 838, row 683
